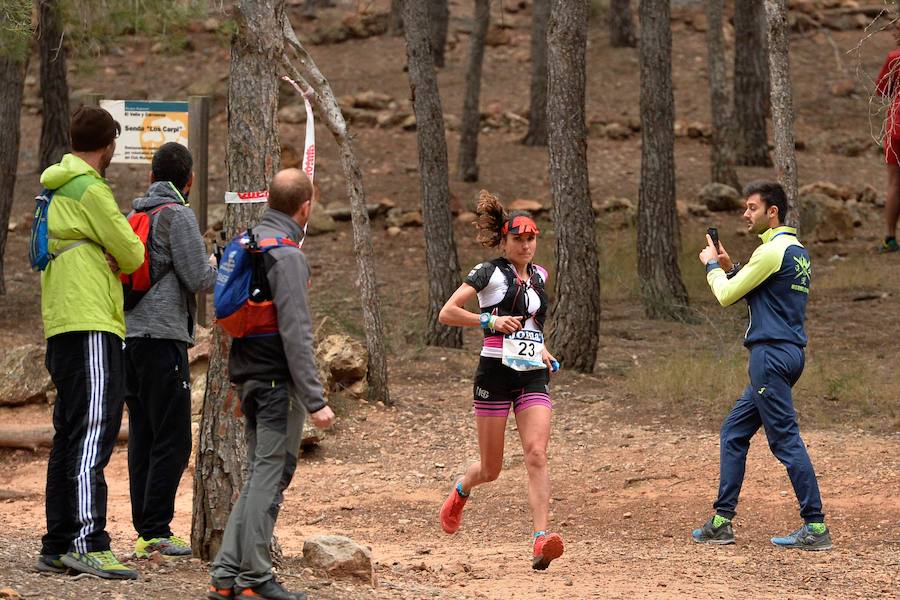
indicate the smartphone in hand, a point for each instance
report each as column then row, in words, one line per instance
column 713, row 234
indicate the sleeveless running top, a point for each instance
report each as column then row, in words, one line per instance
column 502, row 293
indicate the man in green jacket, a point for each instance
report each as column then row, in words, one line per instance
column 84, row 323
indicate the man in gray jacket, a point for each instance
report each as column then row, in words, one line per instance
column 159, row 330
column 275, row 373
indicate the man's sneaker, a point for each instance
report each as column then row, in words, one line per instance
column 167, row 546
column 451, row 511
column 270, row 590
column 546, row 548
column 220, row 590
column 712, row 534
column 102, row 564
column 888, row 245
column 51, row 563
column 805, row 539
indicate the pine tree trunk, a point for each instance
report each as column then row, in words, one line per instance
column 440, row 249
column 438, row 24
column 783, row 105
column 396, row 20
column 252, row 158
column 328, row 108
column 662, row 289
column 621, row 25
column 751, row 84
column 12, row 81
column 722, row 157
column 471, row 119
column 54, row 88
column 575, row 315
column 537, row 113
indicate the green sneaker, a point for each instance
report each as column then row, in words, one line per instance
column 717, row 530
column 51, row 563
column 102, row 564
column 167, row 546
column 888, row 245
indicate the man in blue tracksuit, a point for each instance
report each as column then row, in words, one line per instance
column 775, row 283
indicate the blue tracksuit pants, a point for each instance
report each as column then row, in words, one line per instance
column 774, row 369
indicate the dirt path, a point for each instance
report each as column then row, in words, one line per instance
column 624, row 498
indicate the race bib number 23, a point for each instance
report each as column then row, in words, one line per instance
column 523, row 350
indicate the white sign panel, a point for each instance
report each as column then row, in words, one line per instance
column 146, row 125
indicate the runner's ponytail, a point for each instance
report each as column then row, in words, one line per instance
column 490, row 220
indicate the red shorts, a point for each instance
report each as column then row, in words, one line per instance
column 891, row 150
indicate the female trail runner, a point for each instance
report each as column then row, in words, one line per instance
column 514, row 366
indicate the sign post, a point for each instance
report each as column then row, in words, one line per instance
column 198, row 142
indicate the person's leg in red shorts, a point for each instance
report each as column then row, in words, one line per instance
column 892, row 202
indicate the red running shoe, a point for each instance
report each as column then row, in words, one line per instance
column 451, row 511
column 546, row 548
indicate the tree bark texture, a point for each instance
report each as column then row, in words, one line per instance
column 751, row 84
column 722, row 156
column 575, row 314
column 251, row 157
column 783, row 105
column 327, row 106
column 662, row 289
column 440, row 249
column 537, row 112
column 12, row 81
column 438, row 24
column 396, row 22
column 621, row 25
column 467, row 166
column 54, row 87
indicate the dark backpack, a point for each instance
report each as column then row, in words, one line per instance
column 136, row 285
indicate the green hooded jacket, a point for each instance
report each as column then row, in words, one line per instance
column 79, row 291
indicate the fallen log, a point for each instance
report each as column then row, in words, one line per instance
column 39, row 437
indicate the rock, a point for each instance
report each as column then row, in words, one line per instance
column 157, row 48
column 855, row 209
column 699, row 22
column 372, row 100
column 12, row 226
column 844, row 88
column 849, row 145
column 867, row 195
column 211, row 25
column 345, row 358
column 720, row 197
column 393, row 231
column 340, row 557
column 311, row 435
column 827, row 188
column 390, row 118
column 320, row 222
column 198, row 391
column 824, row 219
column 697, row 210
column 498, row 36
column 618, row 204
column 396, row 217
column 467, row 217
column 361, row 117
column 452, row 122
column 9, row 593
column 200, row 350
column 409, row 123
column 532, row 206
column 385, row 204
column 696, row 130
column 293, row 114
column 616, row 131
column 23, row 376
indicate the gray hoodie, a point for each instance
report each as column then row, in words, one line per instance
column 179, row 268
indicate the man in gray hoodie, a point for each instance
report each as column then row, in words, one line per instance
column 159, row 330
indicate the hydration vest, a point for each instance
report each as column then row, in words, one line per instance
column 513, row 302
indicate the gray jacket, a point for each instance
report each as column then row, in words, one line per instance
column 289, row 355
column 179, row 268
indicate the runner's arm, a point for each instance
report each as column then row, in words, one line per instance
column 189, row 257
column 454, row 314
column 762, row 264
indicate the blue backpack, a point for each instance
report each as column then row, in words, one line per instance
column 39, row 254
column 242, row 298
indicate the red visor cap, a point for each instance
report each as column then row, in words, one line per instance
column 519, row 225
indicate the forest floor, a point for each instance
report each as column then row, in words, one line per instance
column 634, row 450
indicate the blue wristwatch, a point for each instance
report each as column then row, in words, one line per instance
column 485, row 319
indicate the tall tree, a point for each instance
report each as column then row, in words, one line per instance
column 621, row 25
column 438, row 24
column 751, row 84
column 575, row 315
column 327, row 105
column 662, row 289
column 440, row 249
column 15, row 30
column 54, row 87
column 252, row 156
column 783, row 105
column 537, row 112
column 467, row 165
column 722, row 157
